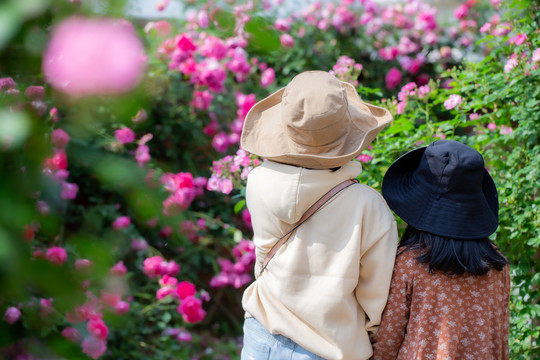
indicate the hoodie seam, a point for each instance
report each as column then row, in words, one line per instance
column 296, row 198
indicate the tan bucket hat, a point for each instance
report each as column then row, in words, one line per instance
column 316, row 121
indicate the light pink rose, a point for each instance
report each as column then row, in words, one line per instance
column 83, row 264
column 536, row 55
column 452, row 101
column 11, row 315
column 94, row 347
column 510, row 65
column 56, row 255
column 520, row 39
column 121, row 307
column 93, row 56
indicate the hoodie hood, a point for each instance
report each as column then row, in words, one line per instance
column 285, row 192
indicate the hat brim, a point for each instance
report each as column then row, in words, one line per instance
column 465, row 218
column 264, row 132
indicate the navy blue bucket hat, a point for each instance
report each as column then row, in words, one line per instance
column 443, row 189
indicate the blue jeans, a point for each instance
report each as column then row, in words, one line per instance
column 259, row 344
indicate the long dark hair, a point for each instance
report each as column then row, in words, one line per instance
column 452, row 256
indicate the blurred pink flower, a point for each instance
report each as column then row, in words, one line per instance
column 267, row 77
column 220, row 142
column 162, row 4
column 93, row 56
column 246, row 217
column 185, row 289
column 202, row 99
column 214, row 47
column 485, row 28
column 121, row 222
column 72, row 334
column 141, row 116
column 69, row 190
column 401, row 107
column 142, row 155
column 162, row 27
column 496, row 3
column 97, row 327
column 184, row 336
column 202, row 19
column 121, row 307
column 191, row 310
column 452, row 101
column 287, row 41
column 11, row 315
column 34, row 92
column 139, row 244
column 510, row 65
column 393, row 78
column 520, row 38
column 536, row 55
column 46, row 307
column 93, row 346
column 462, row 11
column 56, row 255
column 119, row 269
column 505, row 130
column 178, row 201
column 59, row 138
column 83, row 264
column 364, row 158
column 282, row 24
column 491, row 126
column 423, row 91
column 211, row 74
column 7, row 83
column 124, row 135
column 474, row 116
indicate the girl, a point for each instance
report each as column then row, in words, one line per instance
column 450, row 288
column 324, row 290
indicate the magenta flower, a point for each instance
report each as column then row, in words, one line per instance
column 246, row 217
column 56, row 255
column 185, row 289
column 93, row 56
column 139, row 244
column 94, row 347
column 202, row 99
column 401, row 107
column 59, row 138
column 214, row 47
column 97, row 327
column 267, row 77
column 287, row 41
column 11, row 315
column 393, row 78
column 364, row 158
column 69, row 190
column 121, row 307
column 221, row 142
column 191, row 310
column 452, row 101
column 461, row 12
column 124, row 135
column 7, row 83
column 119, row 269
column 72, row 334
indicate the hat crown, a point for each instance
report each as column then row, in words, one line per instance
column 452, row 166
column 315, row 110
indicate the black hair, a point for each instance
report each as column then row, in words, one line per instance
column 335, row 169
column 452, row 256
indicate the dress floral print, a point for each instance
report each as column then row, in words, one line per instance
column 440, row 317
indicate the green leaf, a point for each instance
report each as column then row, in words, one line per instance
column 239, row 206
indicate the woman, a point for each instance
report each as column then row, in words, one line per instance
column 324, row 290
column 451, row 286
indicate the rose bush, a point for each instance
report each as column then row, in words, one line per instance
column 124, row 232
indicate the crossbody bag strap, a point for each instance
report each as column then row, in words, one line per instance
column 313, row 208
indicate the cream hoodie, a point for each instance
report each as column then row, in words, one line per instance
column 326, row 288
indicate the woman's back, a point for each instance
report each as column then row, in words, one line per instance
column 438, row 316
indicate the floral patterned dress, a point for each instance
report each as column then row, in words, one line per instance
column 440, row 317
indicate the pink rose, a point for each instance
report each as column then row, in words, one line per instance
column 452, row 101
column 90, row 56
column 11, row 315
column 267, row 77
column 152, row 266
column 69, row 190
column 191, row 310
column 94, row 347
column 287, row 41
column 185, row 289
column 536, row 55
column 83, row 264
column 59, row 138
column 121, row 307
column 393, row 78
column 124, row 135
column 510, row 65
column 56, row 255
column 72, row 334
column 121, row 222
column 97, row 327
column 46, row 307
column 118, row 269
column 35, row 92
